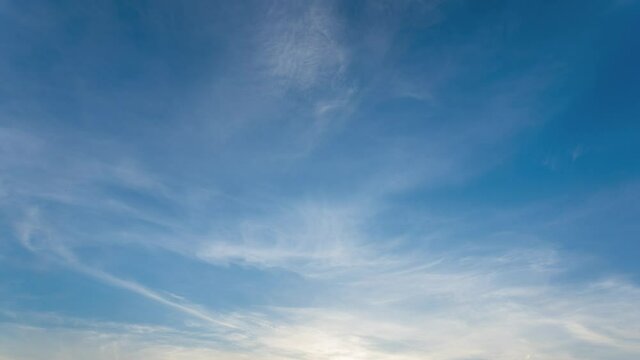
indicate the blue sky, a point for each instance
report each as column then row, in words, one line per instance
column 391, row 180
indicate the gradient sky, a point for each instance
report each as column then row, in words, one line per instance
column 343, row 180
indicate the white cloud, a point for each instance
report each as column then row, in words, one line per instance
column 301, row 46
column 457, row 305
column 490, row 309
column 386, row 303
column 308, row 237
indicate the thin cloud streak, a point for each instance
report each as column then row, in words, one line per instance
column 60, row 253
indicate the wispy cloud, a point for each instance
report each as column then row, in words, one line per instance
column 503, row 307
column 186, row 308
column 302, row 46
column 307, row 236
column 307, row 180
column 31, row 227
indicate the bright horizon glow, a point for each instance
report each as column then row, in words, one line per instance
column 319, row 180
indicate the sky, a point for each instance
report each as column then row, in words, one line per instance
column 343, row 180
